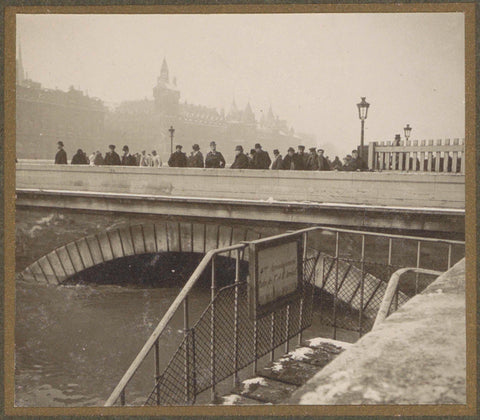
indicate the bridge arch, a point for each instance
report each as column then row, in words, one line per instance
column 74, row 257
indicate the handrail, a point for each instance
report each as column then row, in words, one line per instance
column 165, row 320
column 392, row 288
column 119, row 389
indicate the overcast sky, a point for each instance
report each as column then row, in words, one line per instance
column 312, row 68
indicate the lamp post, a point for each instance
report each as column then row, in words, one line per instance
column 407, row 130
column 172, row 131
column 362, row 114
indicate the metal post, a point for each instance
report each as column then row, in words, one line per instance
column 122, row 397
column 157, row 370
column 362, row 285
column 212, row 331
column 336, row 285
column 235, row 317
column 300, row 334
column 449, row 257
column 272, row 337
column 361, row 138
column 419, row 244
column 287, row 328
column 255, row 349
column 390, row 243
column 194, row 364
column 185, row 333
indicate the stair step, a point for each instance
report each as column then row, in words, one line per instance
column 278, row 380
column 264, row 390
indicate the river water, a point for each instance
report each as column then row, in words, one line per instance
column 73, row 343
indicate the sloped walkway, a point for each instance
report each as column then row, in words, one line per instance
column 276, row 382
column 416, row 356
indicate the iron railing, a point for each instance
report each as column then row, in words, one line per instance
column 392, row 291
column 215, row 348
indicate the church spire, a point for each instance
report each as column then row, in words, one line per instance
column 20, row 71
column 164, row 71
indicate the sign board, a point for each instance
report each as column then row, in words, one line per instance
column 276, row 273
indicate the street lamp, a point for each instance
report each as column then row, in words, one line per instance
column 172, row 131
column 407, row 130
column 362, row 114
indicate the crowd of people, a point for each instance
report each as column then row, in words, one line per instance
column 258, row 158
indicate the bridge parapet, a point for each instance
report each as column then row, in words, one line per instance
column 412, row 190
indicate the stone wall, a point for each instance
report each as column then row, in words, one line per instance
column 427, row 190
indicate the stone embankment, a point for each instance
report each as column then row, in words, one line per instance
column 416, row 356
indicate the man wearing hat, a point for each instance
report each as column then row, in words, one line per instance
column 61, row 156
column 178, row 159
column 302, row 161
column 261, row 159
column 195, row 160
column 214, row 159
column 323, row 163
column 111, row 157
column 127, row 158
column 290, row 161
column 312, row 160
column 277, row 160
column 241, row 160
column 357, row 162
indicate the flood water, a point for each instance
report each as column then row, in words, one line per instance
column 73, row 343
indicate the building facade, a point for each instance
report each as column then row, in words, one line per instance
column 45, row 116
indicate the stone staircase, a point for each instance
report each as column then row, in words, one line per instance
column 277, row 381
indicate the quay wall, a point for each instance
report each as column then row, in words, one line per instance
column 416, row 356
column 412, row 190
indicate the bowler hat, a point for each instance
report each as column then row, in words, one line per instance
column 239, row 148
column 301, row 147
column 291, row 149
column 125, row 148
column 275, row 151
column 178, row 146
column 258, row 146
column 60, row 143
column 212, row 143
column 196, row 147
column 112, row 146
column 312, row 149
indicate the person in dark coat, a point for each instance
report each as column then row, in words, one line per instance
column 312, row 160
column 348, row 164
column 177, row 159
column 261, row 159
column 98, row 161
column 277, row 160
column 127, row 158
column 111, row 157
column 195, row 160
column 323, row 163
column 290, row 161
column 303, row 157
column 337, row 164
column 251, row 164
column 61, row 156
column 357, row 162
column 79, row 158
column 214, row 159
column 241, row 160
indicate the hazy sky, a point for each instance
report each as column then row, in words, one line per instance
column 312, row 68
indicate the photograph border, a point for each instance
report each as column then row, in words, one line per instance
column 469, row 10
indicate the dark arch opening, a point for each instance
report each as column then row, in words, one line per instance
column 165, row 269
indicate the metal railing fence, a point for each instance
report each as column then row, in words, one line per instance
column 344, row 278
column 226, row 339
